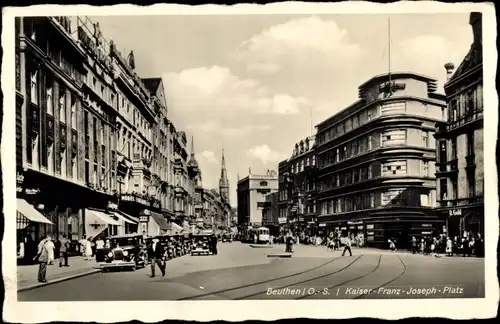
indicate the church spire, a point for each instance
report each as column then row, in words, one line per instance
column 192, row 160
column 223, row 182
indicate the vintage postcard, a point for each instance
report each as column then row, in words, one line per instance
column 249, row 162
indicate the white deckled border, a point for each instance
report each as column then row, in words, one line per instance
column 242, row 310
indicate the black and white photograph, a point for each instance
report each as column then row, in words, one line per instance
column 339, row 156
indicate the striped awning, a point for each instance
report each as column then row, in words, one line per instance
column 98, row 217
column 126, row 218
column 27, row 213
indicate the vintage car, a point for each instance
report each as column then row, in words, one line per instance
column 227, row 237
column 201, row 244
column 127, row 251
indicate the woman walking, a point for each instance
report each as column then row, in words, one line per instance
column 88, row 249
column 449, row 247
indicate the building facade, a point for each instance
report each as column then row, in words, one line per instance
column 271, row 212
column 285, row 185
column 94, row 146
column 251, row 193
column 460, row 148
column 303, row 172
column 376, row 161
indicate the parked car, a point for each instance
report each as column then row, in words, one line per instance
column 127, row 252
column 227, row 237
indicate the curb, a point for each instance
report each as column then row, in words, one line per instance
column 281, row 255
column 261, row 246
column 38, row 284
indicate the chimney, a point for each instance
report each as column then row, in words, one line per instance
column 449, row 70
column 476, row 22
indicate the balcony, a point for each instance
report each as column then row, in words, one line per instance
column 471, row 161
column 447, row 168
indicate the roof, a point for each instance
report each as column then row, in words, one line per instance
column 473, row 59
column 152, row 84
column 402, row 74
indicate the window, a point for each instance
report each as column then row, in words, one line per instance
column 425, row 168
column 425, row 138
column 34, row 87
column 372, row 200
column 454, row 110
column 263, row 183
column 370, row 172
column 454, row 148
column 355, row 121
column 394, row 137
column 394, row 168
column 393, row 108
column 454, row 187
column 443, row 158
column 470, row 143
column 62, row 105
column 369, row 114
column 73, row 112
column 348, row 125
column 50, row 103
column 471, row 183
column 370, row 142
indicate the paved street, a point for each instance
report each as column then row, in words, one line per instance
column 242, row 272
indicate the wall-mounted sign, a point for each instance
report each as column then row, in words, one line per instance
column 322, row 225
column 133, row 198
column 282, row 220
column 143, row 219
column 455, row 212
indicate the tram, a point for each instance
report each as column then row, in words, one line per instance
column 259, row 235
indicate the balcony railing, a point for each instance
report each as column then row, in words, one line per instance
column 462, row 201
column 453, row 165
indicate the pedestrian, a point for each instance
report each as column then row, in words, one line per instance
column 99, row 244
column 63, row 251
column 50, row 249
column 157, row 253
column 107, row 245
column 414, row 245
column 214, row 245
column 392, row 246
column 88, row 249
column 42, row 257
column 464, row 246
column 449, row 246
column 347, row 246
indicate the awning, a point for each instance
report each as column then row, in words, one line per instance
column 30, row 212
column 125, row 218
column 176, row 228
column 98, row 217
column 161, row 221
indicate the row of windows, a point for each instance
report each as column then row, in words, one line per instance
column 465, row 104
column 348, row 124
column 303, row 147
column 300, row 165
column 375, row 199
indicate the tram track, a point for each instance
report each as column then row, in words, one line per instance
column 387, row 282
column 347, row 281
column 262, row 282
column 303, row 281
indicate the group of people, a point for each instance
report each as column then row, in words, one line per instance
column 46, row 255
column 466, row 246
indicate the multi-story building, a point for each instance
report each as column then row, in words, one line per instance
column 285, row 185
column 376, row 161
column 271, row 212
column 159, row 166
column 50, row 131
column 194, row 173
column 251, row 193
column 302, row 206
column 460, row 171
column 184, row 183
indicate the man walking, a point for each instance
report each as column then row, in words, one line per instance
column 214, row 244
column 63, row 251
column 43, row 258
column 347, row 242
column 157, row 251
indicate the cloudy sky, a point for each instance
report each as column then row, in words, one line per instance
column 254, row 84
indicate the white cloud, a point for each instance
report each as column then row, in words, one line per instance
column 427, row 54
column 217, row 89
column 216, row 127
column 264, row 154
column 300, row 41
column 208, row 156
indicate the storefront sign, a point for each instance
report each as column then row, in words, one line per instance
column 355, row 223
column 322, row 225
column 33, row 191
column 360, row 227
column 282, row 220
column 455, row 212
column 143, row 219
column 370, row 226
column 134, row 199
column 426, row 225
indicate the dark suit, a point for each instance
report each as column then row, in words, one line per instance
column 156, row 251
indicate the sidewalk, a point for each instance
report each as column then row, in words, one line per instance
column 27, row 274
